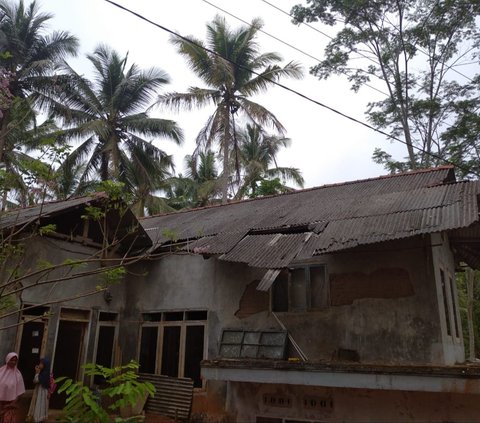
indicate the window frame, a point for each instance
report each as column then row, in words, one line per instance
column 183, row 324
column 291, row 308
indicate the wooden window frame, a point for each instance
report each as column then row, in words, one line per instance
column 183, row 324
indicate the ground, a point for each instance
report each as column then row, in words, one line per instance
column 53, row 415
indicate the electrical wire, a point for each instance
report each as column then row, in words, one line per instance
column 414, row 83
column 360, row 54
column 286, row 88
column 284, row 42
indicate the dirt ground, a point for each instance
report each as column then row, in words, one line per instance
column 53, row 415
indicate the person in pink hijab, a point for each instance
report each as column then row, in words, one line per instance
column 11, row 387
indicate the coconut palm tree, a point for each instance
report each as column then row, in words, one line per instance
column 145, row 178
column 258, row 158
column 110, row 116
column 30, row 58
column 234, row 70
column 199, row 187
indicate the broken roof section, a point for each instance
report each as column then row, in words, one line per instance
column 272, row 232
column 67, row 216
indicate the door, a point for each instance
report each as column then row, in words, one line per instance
column 105, row 345
column 68, row 350
column 30, row 350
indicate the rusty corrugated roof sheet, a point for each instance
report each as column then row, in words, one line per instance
column 24, row 216
column 271, row 232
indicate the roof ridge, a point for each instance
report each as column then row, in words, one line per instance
column 337, row 184
column 94, row 195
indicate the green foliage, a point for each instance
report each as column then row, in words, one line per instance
column 415, row 52
column 74, row 264
column 170, row 234
column 462, row 299
column 47, row 229
column 114, row 189
column 268, row 187
column 225, row 63
column 112, row 276
column 84, row 405
column 94, row 213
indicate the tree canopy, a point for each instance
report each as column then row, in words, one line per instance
column 414, row 50
column 234, row 70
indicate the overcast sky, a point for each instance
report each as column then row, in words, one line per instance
column 326, row 147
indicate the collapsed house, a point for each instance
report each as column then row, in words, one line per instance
column 336, row 303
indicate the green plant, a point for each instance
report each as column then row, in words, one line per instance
column 121, row 385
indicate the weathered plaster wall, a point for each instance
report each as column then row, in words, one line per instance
column 452, row 339
column 56, row 251
column 247, row 401
column 398, row 325
column 182, row 282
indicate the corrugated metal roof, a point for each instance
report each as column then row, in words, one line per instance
column 270, row 232
column 271, row 251
column 125, row 225
column 22, row 216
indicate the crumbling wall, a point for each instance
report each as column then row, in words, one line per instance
column 383, row 307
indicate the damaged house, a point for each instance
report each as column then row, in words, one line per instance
column 336, row 303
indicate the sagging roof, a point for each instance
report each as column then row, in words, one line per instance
column 272, row 232
column 68, row 213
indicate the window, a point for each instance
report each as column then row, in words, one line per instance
column 106, row 340
column 301, row 289
column 253, row 344
column 172, row 343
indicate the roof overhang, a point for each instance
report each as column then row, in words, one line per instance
column 448, row 379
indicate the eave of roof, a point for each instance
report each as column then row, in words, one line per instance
column 451, row 379
column 271, row 232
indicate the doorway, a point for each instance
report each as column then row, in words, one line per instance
column 68, row 354
column 30, row 350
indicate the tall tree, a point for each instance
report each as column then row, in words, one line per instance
column 110, row 116
column 145, row 178
column 199, row 187
column 258, row 157
column 417, row 49
column 31, row 58
column 234, row 70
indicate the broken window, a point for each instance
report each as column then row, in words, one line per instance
column 173, row 343
column 301, row 289
column 253, row 344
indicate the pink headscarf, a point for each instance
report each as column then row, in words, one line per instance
column 11, row 381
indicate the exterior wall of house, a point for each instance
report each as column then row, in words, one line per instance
column 447, row 299
column 76, row 320
column 190, row 282
column 382, row 301
column 249, row 402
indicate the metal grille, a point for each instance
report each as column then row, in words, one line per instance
column 173, row 396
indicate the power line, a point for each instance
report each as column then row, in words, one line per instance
column 318, row 103
column 362, row 55
column 283, row 42
column 370, row 58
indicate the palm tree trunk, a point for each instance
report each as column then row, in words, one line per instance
column 226, row 150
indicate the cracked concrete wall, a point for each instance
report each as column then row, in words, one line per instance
column 394, row 323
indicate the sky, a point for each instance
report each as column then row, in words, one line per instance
column 326, row 147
